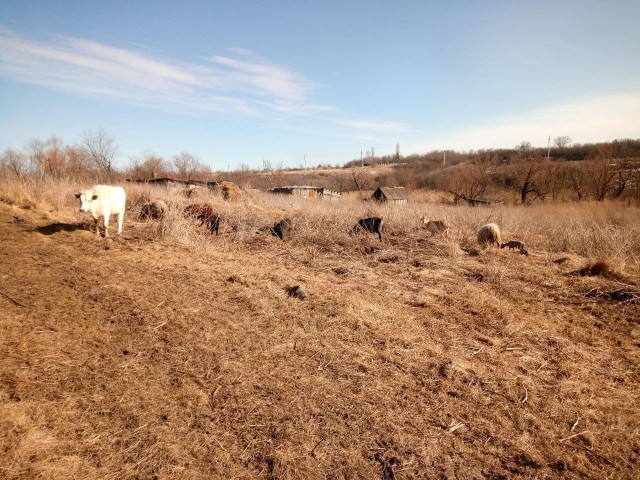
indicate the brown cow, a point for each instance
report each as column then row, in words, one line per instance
column 204, row 213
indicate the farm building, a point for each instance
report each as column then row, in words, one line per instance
column 390, row 194
column 169, row 182
column 477, row 202
column 163, row 181
column 188, row 186
column 306, row 191
column 174, row 182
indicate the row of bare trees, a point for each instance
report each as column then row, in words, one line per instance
column 94, row 157
column 52, row 158
column 183, row 166
column 524, row 174
column 607, row 170
column 539, row 179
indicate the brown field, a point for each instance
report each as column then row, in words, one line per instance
column 168, row 353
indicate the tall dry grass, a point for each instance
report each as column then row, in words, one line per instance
column 596, row 230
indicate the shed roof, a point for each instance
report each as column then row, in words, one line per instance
column 394, row 193
column 483, row 201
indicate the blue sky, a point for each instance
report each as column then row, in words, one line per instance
column 240, row 82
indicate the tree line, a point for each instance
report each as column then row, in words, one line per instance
column 524, row 174
column 560, row 149
column 94, row 157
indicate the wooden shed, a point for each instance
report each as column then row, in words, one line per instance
column 164, row 182
column 306, row 191
column 485, row 202
column 390, row 194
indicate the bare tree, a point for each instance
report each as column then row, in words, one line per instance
column 524, row 148
column 14, row 163
column 562, row 141
column 578, row 180
column 467, row 182
column 623, row 178
column 553, row 178
column 37, row 156
column 635, row 183
column 274, row 174
column 602, row 175
column 188, row 166
column 54, row 157
column 358, row 175
column 526, row 181
column 101, row 149
column 78, row 163
column 148, row 166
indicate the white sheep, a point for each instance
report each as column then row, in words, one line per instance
column 154, row 210
column 489, row 234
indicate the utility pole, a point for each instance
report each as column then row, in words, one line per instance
column 361, row 160
column 444, row 159
column 548, row 147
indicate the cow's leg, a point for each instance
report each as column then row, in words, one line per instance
column 107, row 214
column 95, row 223
column 120, row 219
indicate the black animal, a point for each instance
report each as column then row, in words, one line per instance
column 372, row 224
column 281, row 228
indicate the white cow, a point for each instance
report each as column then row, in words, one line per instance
column 103, row 201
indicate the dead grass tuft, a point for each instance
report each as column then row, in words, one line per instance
column 600, row 268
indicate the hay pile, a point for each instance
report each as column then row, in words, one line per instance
column 230, row 191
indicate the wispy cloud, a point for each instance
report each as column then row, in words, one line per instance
column 376, row 125
column 258, row 77
column 94, row 67
column 601, row 118
column 241, row 82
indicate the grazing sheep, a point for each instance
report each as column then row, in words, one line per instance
column 436, row 226
column 281, row 228
column 204, row 213
column 489, row 234
column 154, row 210
column 372, row 224
column 512, row 244
column 103, row 201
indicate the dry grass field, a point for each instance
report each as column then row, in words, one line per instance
column 169, row 353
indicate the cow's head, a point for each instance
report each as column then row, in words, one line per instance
column 86, row 197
